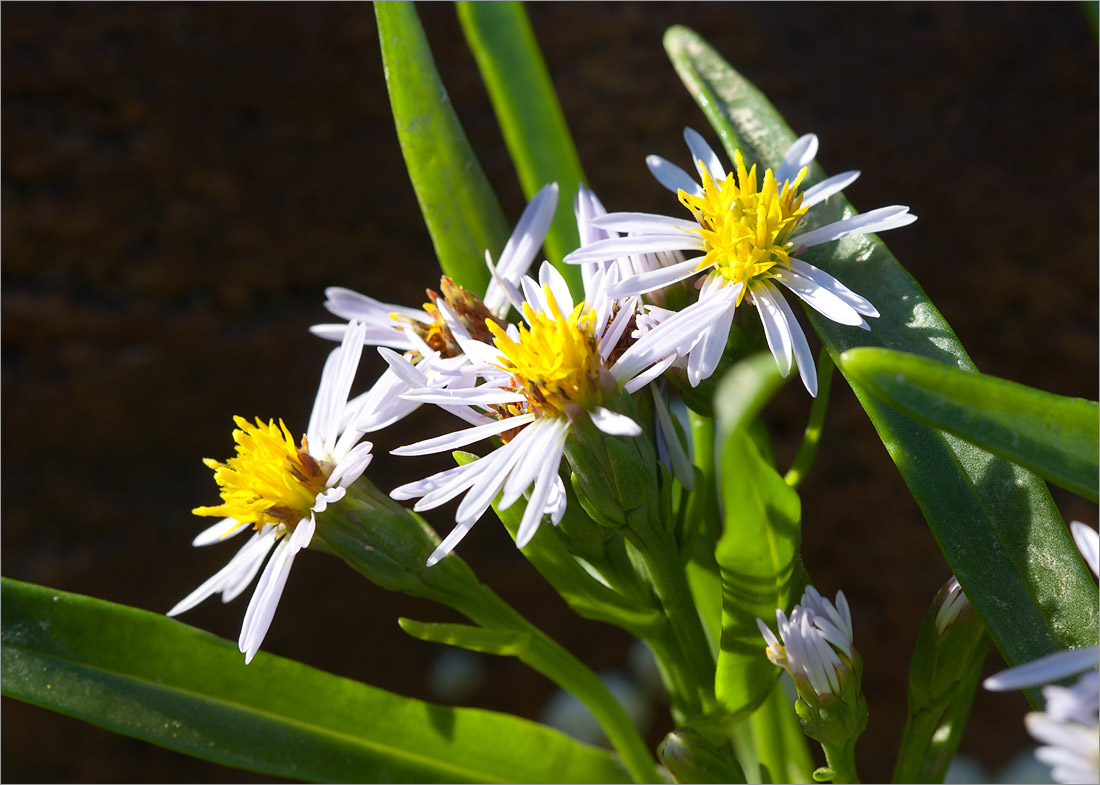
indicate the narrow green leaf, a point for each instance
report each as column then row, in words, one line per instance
column 505, row 643
column 1054, row 436
column 147, row 676
column 527, row 108
column 995, row 522
column 462, row 212
column 758, row 552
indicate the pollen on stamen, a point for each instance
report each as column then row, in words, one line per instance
column 270, row 479
column 556, row 359
column 746, row 230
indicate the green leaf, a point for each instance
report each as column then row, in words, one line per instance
column 147, row 676
column 505, row 643
column 460, row 209
column 1054, row 436
column 995, row 522
column 527, row 108
column 758, row 552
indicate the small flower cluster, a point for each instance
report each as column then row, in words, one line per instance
column 527, row 363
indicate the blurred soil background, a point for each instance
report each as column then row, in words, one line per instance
column 180, row 183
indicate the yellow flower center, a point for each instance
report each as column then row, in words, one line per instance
column 270, row 480
column 556, row 360
column 746, row 230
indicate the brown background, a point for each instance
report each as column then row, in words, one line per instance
column 180, row 182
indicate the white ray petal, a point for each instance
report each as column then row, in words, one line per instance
column 529, row 234
column 819, row 298
column 1088, row 542
column 244, row 562
column 476, row 395
column 351, row 466
column 701, row 151
column 335, row 387
column 608, row 250
column 261, row 608
column 672, row 176
column 449, row 542
column 651, row 373
column 544, row 485
column 532, row 445
column 351, row 305
column 452, row 441
column 861, row 304
column 706, row 354
column 613, row 423
column 817, row 194
column 776, row 331
column 865, row 223
column 489, row 484
column 222, row 530
column 551, row 280
column 804, row 358
column 655, row 279
column 389, row 335
column 644, row 223
column 799, row 154
column 1053, row 667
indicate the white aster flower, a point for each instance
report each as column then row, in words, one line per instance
column 1069, row 725
column 536, row 377
column 426, row 333
column 747, row 235
column 815, row 643
column 277, row 488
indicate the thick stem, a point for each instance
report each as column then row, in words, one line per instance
column 659, row 551
column 569, row 673
column 842, row 760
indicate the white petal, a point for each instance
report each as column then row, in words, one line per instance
column 351, row 466
column 552, row 281
column 388, row 335
column 1088, row 542
column 865, row 223
column 614, row 332
column 819, row 298
column 1044, row 670
column 222, row 530
column 607, row 250
column 613, row 423
column 529, row 234
column 418, row 488
column 651, row 373
column 483, row 395
column 532, row 444
column 804, row 358
column 489, row 484
column 678, row 460
column 644, row 223
column 776, row 331
column 827, row 187
column 701, row 151
column 706, row 354
column 358, row 307
column 672, row 176
column 449, row 542
column 335, row 387
column 261, row 608
column 799, row 154
column 451, row 441
column 544, row 485
column 244, row 563
column 860, row 304
column 655, row 279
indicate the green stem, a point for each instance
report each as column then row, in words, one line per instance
column 807, row 451
column 659, row 551
column 842, row 760
column 569, row 673
column 780, row 742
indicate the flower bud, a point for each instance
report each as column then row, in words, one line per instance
column 692, row 757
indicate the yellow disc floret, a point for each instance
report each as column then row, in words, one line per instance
column 746, row 230
column 556, row 360
column 269, row 480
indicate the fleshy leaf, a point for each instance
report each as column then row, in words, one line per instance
column 527, row 108
column 462, row 212
column 758, row 552
column 1054, row 436
column 147, row 676
column 995, row 522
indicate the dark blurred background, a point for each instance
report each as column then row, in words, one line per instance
column 180, row 183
